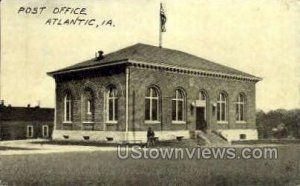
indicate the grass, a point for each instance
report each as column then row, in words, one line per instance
column 104, row 168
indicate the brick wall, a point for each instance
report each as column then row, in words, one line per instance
column 98, row 82
column 167, row 82
column 140, row 80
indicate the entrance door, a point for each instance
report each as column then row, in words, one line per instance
column 200, row 118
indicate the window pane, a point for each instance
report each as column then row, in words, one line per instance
column 223, row 112
column 173, row 110
column 147, row 109
column 111, row 92
column 89, row 106
column 68, row 112
column 223, row 97
column 218, row 111
column 241, row 98
column 202, row 96
column 116, row 109
column 237, row 112
column 154, row 92
column 110, row 109
column 154, row 109
column 68, row 97
column 180, row 110
column 242, row 113
column 180, row 94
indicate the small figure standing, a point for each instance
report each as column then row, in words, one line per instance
column 150, row 137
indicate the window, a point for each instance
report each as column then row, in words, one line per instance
column 240, row 106
column 29, row 131
column 151, row 104
column 88, row 103
column 89, row 107
column 242, row 136
column 67, row 108
column 112, row 105
column 221, row 107
column 45, row 131
column 178, row 106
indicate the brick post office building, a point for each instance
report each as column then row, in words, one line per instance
column 119, row 95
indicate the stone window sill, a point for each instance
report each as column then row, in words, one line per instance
column 241, row 122
column 111, row 122
column 178, row 122
column 222, row 122
column 67, row 122
column 88, row 122
column 152, row 122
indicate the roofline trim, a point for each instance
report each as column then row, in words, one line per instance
column 190, row 70
column 165, row 66
column 118, row 62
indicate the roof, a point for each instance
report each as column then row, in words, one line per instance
column 9, row 113
column 156, row 56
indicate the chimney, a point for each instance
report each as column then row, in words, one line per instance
column 28, row 106
column 99, row 55
column 2, row 102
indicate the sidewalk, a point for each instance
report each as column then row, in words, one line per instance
column 33, row 147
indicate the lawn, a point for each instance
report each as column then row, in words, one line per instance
column 104, row 168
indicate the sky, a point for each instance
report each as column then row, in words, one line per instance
column 260, row 37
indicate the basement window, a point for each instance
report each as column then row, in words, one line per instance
column 242, row 136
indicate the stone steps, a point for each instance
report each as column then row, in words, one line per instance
column 210, row 138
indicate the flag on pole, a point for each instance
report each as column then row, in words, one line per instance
column 163, row 19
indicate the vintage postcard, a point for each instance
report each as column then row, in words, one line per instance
column 160, row 92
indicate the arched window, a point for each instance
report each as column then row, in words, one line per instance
column 202, row 96
column 112, row 105
column 68, row 108
column 152, row 104
column 222, row 107
column 240, row 108
column 178, row 106
column 88, row 100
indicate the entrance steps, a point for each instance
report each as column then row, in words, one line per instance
column 210, row 137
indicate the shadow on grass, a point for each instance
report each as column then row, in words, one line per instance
column 3, row 148
column 170, row 143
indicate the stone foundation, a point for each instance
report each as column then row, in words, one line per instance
column 117, row 136
column 236, row 134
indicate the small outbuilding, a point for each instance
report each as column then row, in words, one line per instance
column 25, row 122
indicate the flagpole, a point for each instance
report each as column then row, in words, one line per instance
column 0, row 53
column 160, row 25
